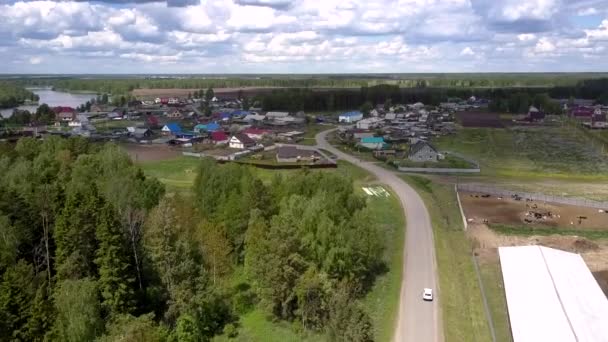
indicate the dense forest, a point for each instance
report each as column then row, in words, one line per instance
column 92, row 249
column 514, row 100
column 13, row 95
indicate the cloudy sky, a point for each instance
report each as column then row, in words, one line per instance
column 302, row 36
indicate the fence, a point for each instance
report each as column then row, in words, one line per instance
column 581, row 202
column 436, row 170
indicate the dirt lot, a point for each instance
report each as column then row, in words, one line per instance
column 533, row 213
column 595, row 253
column 481, row 119
column 144, row 153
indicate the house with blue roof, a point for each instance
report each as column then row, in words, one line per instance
column 210, row 127
column 373, row 143
column 171, row 128
column 350, row 117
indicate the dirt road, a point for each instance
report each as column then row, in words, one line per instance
column 417, row 320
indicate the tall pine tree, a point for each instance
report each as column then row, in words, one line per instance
column 116, row 279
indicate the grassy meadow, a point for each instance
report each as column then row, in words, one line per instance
column 530, row 153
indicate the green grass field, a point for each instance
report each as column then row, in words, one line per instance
column 547, row 152
column 311, row 131
column 497, row 302
column 461, row 302
column 109, row 125
column 177, row 174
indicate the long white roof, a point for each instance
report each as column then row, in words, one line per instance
column 552, row 296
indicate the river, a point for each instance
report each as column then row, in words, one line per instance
column 53, row 99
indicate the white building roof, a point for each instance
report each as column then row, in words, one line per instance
column 552, row 296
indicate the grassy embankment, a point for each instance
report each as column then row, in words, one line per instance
column 491, row 275
column 561, row 153
column 381, row 302
column 461, row 301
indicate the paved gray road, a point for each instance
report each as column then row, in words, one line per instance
column 418, row 321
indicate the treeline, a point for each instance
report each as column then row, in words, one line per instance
column 12, row 95
column 593, row 89
column 482, row 80
column 328, row 100
column 92, row 249
column 44, row 115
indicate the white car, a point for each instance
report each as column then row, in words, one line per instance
column 427, row 294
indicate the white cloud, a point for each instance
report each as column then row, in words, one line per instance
column 467, row 51
column 303, row 35
column 544, row 45
column 524, row 37
column 35, row 60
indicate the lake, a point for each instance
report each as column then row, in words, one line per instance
column 53, row 99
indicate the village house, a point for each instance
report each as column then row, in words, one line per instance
column 65, row 114
column 256, row 133
column 171, row 129
column 219, row 138
column 141, row 133
column 350, row 117
column 152, row 121
column 373, row 143
column 292, row 154
column 241, row 141
column 275, row 115
column 174, row 114
column 209, row 127
column 584, row 113
column 422, row 151
column 369, row 123
column 535, row 115
column 254, row 118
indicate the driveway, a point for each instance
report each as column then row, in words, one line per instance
column 417, row 320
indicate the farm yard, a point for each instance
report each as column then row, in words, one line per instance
column 594, row 252
column 535, row 214
column 546, row 152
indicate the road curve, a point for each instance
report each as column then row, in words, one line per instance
column 418, row 321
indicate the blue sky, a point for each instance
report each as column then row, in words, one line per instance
column 303, row 36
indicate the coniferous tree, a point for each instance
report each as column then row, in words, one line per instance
column 115, row 270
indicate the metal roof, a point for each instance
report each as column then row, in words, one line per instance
column 552, row 296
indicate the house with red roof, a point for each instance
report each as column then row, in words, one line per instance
column 256, row 133
column 64, row 114
column 584, row 112
column 152, row 121
column 219, row 138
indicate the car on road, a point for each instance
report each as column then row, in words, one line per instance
column 427, row 294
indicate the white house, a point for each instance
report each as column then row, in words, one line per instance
column 369, row 123
column 350, row 117
column 275, row 115
column 240, row 141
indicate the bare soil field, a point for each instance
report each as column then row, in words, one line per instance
column 481, row 119
column 595, row 253
column 536, row 214
column 145, row 153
